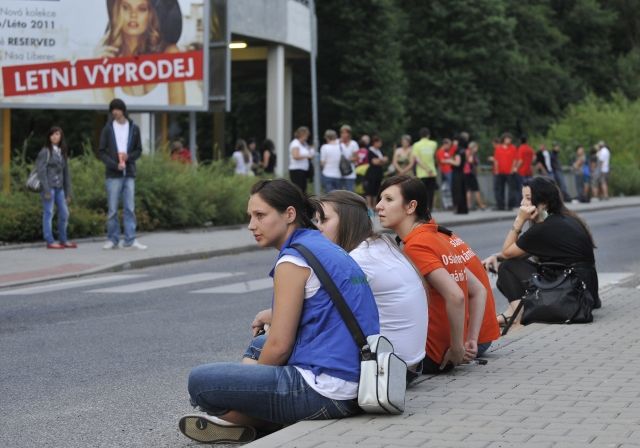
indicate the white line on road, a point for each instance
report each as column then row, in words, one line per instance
column 610, row 278
column 68, row 285
column 239, row 288
column 167, row 282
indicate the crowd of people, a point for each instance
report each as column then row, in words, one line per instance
column 426, row 291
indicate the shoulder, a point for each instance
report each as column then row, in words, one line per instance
column 171, row 49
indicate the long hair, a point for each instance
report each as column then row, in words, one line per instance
column 354, row 225
column 63, row 142
column 150, row 41
column 545, row 191
column 241, row 146
column 282, row 194
column 412, row 189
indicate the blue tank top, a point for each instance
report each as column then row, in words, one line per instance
column 323, row 342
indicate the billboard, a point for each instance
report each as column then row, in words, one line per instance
column 80, row 54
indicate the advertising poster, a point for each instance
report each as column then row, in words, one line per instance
column 80, row 54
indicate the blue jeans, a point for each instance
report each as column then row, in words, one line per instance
column 331, row 183
column 349, row 184
column 57, row 196
column 116, row 188
column 482, row 348
column 276, row 394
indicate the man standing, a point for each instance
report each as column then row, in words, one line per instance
column 525, row 160
column 424, row 152
column 348, row 148
column 120, row 147
column 505, row 163
column 558, row 175
column 604, row 156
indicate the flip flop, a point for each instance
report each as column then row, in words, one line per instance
column 505, row 320
column 209, row 429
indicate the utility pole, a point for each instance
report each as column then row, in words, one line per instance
column 314, row 98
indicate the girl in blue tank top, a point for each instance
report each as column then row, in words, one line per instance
column 309, row 366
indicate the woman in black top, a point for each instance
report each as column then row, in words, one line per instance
column 375, row 172
column 268, row 156
column 53, row 173
column 458, row 188
column 556, row 235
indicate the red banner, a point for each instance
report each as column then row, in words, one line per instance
column 99, row 73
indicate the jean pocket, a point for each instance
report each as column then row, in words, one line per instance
column 345, row 408
column 320, row 414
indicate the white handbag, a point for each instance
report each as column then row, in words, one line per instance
column 383, row 375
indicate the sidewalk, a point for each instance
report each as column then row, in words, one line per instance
column 544, row 386
column 31, row 263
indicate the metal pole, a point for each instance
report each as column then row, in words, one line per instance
column 6, row 151
column 192, row 137
column 314, row 98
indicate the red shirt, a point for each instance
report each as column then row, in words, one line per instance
column 442, row 154
column 489, row 330
column 503, row 158
column 525, row 154
column 429, row 250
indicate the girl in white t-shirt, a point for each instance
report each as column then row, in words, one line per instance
column 242, row 159
column 396, row 284
column 330, row 162
column 300, row 154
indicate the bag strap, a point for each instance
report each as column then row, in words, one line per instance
column 337, row 299
column 513, row 318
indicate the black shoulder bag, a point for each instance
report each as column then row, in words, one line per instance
column 345, row 164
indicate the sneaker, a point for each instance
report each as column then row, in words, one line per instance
column 134, row 245
column 110, row 245
column 209, row 429
column 69, row 245
column 55, row 246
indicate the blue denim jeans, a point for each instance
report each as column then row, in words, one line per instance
column 482, row 348
column 57, row 197
column 276, row 394
column 121, row 187
column 255, row 347
column 349, row 184
column 331, row 183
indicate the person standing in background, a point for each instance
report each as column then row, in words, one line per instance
column 504, row 167
column 444, row 153
column 375, row 173
column 458, row 187
column 242, row 159
column 300, row 154
column 53, row 173
column 424, row 156
column 525, row 160
column 349, row 148
column 471, row 178
column 330, row 162
column 269, row 157
column 604, row 156
column 402, row 157
column 594, row 171
column 578, row 167
column 558, row 175
column 120, row 135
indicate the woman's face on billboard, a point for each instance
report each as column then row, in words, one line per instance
column 134, row 15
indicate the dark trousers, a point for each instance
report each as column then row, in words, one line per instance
column 513, row 277
column 459, row 192
column 430, row 367
column 431, row 184
column 299, row 178
column 500, row 182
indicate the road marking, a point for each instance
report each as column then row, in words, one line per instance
column 239, row 288
column 68, row 285
column 167, row 282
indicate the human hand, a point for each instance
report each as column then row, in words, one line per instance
column 121, row 166
column 454, row 355
column 68, row 199
column 262, row 319
column 527, row 213
column 471, row 350
column 47, row 196
column 491, row 264
column 106, row 51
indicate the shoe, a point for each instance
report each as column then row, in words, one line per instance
column 55, row 246
column 70, row 245
column 502, row 319
column 135, row 245
column 209, row 429
column 110, row 245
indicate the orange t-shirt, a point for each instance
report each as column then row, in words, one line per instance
column 489, row 331
column 525, row 154
column 429, row 250
column 504, row 156
column 443, row 154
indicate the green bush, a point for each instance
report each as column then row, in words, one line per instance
column 169, row 195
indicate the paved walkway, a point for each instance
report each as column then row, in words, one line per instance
column 31, row 263
column 544, row 386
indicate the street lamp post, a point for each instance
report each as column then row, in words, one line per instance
column 314, row 98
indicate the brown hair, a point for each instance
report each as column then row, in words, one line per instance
column 354, row 226
column 62, row 145
column 412, row 189
column 151, row 40
column 282, row 194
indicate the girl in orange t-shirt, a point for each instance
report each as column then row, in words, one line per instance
column 456, row 297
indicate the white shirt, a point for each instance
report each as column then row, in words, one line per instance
column 122, row 136
column 243, row 168
column 604, row 155
column 349, row 150
column 399, row 294
column 330, row 158
column 304, row 151
column 326, row 385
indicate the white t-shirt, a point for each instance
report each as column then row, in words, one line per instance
column 400, row 296
column 349, row 150
column 304, row 151
column 243, row 168
column 330, row 157
column 604, row 155
column 122, row 136
column 326, row 385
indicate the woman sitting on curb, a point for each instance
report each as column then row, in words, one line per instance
column 310, row 365
column 452, row 337
column 556, row 235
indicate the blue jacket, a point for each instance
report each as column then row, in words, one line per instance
column 323, row 342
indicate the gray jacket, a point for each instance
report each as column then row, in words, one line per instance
column 54, row 173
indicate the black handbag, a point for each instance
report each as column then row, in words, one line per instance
column 555, row 295
column 345, row 165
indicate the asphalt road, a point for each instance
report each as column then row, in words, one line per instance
column 105, row 362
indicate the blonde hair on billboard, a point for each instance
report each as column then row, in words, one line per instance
column 150, row 41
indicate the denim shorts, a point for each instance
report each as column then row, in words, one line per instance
column 277, row 394
column 255, row 347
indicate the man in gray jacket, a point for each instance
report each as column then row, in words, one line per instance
column 120, row 147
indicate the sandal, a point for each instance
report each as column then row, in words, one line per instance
column 505, row 320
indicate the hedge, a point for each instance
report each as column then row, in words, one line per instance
column 169, row 195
